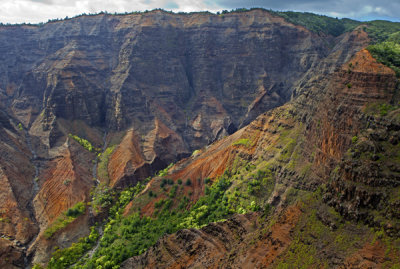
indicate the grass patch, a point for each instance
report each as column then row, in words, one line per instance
column 84, row 143
column 102, row 168
column 64, row 219
column 242, row 142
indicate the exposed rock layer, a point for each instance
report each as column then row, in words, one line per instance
column 162, row 85
column 324, row 119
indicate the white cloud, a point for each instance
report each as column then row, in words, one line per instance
column 18, row 11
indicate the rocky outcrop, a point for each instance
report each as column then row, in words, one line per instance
column 365, row 184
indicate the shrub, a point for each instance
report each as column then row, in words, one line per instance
column 196, row 152
column 159, row 203
column 384, row 109
column 387, row 53
column 83, row 142
column 173, row 191
column 188, row 182
column 244, row 142
column 254, row 206
column 163, row 182
column 63, row 258
column 102, row 168
column 102, row 197
column 64, row 219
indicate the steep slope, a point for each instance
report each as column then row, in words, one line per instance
column 299, row 146
column 158, row 85
column 94, row 105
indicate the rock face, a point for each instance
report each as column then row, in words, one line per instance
column 336, row 140
column 200, row 76
column 148, row 89
column 117, row 72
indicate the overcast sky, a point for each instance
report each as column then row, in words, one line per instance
column 17, row 11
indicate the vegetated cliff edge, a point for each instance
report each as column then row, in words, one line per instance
column 160, row 85
column 283, row 166
column 347, row 147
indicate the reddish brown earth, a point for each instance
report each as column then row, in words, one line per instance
column 370, row 256
column 11, row 256
column 96, row 74
column 322, row 125
column 328, row 135
column 365, row 82
column 126, row 156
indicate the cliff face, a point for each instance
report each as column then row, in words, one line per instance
column 201, row 76
column 145, row 90
column 116, row 72
column 329, row 135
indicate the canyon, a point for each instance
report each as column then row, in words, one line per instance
column 171, row 105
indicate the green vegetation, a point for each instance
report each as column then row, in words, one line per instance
column 173, row 191
column 63, row 258
column 196, row 152
column 5, row 220
column 164, row 172
column 102, row 197
column 354, row 139
column 243, row 141
column 310, row 233
column 387, row 53
column 382, row 109
column 381, row 31
column 102, row 168
column 386, row 47
column 321, row 231
column 288, row 150
column 132, row 235
column 319, row 23
column 20, row 126
column 73, row 255
column 166, row 181
column 84, row 143
column 65, row 218
column 128, row 236
column 378, row 30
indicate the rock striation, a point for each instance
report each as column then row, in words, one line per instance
column 145, row 90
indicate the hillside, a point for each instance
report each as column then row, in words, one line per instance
column 281, row 134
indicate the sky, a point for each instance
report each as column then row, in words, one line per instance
column 34, row 11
